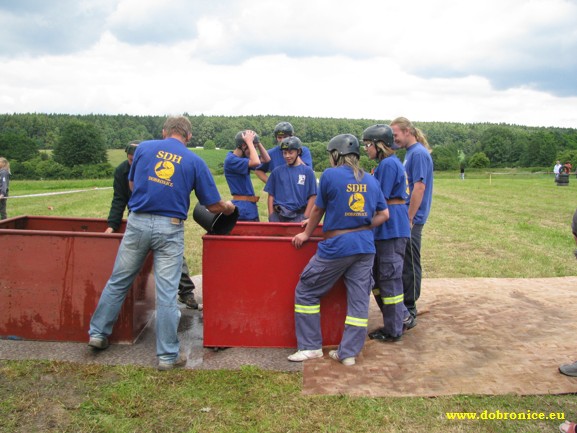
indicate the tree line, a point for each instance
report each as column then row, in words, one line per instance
column 79, row 142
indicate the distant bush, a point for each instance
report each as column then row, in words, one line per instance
column 41, row 168
column 479, row 160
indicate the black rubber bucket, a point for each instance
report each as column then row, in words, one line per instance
column 563, row 179
column 214, row 224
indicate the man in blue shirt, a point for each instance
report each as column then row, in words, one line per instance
column 162, row 176
column 419, row 168
column 120, row 198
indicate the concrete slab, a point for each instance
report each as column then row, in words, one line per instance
column 143, row 352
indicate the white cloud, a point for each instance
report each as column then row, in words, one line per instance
column 446, row 61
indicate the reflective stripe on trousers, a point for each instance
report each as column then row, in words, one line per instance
column 318, row 277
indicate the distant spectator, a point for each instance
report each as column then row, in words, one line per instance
column 4, row 186
column 557, row 169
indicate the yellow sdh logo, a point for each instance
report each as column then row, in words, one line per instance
column 164, row 169
column 357, row 202
column 357, row 199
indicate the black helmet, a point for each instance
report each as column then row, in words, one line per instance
column 344, row 144
column 290, row 143
column 239, row 141
column 284, row 128
column 382, row 133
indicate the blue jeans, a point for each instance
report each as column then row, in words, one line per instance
column 144, row 233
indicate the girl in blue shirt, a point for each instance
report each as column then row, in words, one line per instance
column 352, row 204
column 390, row 238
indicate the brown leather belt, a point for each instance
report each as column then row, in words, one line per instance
column 332, row 233
column 251, row 198
column 396, row 201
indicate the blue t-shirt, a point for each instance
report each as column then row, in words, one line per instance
column 277, row 160
column 390, row 174
column 419, row 167
column 292, row 185
column 348, row 204
column 164, row 173
column 237, row 174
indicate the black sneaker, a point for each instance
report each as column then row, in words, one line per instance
column 386, row 338
column 376, row 333
column 189, row 301
column 409, row 322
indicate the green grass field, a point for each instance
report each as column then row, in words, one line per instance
column 498, row 226
column 490, row 225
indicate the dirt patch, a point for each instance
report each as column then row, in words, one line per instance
column 474, row 336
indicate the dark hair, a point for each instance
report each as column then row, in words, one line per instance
column 131, row 147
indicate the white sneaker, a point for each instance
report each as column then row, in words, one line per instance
column 347, row 361
column 303, row 355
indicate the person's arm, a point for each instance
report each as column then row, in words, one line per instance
column 253, row 159
column 311, row 224
column 416, row 199
column 380, row 217
column 310, row 204
column 225, row 207
column 264, row 156
column 261, row 175
column 270, row 204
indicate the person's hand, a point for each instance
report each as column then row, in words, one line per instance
column 304, row 222
column 229, row 207
column 299, row 240
column 248, row 136
column 109, row 230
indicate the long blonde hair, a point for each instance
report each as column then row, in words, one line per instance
column 405, row 125
column 351, row 159
column 385, row 151
column 4, row 163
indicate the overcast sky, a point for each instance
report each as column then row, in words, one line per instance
column 511, row 61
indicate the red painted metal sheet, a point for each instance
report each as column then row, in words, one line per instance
column 54, row 270
column 249, row 278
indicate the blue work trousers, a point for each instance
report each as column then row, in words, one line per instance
column 318, row 277
column 388, row 291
